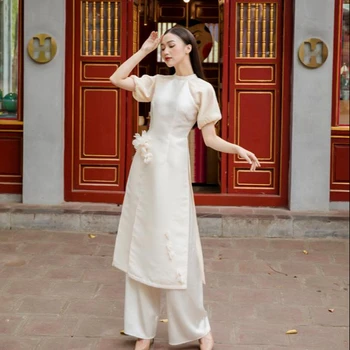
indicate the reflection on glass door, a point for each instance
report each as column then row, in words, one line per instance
column 344, row 70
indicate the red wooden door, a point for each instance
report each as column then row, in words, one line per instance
column 257, row 117
column 96, row 111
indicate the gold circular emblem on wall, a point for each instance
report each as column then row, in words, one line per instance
column 313, row 52
column 42, row 48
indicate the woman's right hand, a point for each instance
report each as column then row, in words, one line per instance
column 151, row 43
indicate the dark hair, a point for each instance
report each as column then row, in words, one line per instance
column 187, row 37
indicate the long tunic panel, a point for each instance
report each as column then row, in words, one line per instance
column 158, row 214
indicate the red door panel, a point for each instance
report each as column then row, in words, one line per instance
column 256, row 112
column 96, row 112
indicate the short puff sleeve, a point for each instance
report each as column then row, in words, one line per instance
column 209, row 110
column 144, row 87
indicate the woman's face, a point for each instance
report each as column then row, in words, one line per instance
column 174, row 50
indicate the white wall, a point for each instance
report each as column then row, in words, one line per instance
column 311, row 110
column 43, row 112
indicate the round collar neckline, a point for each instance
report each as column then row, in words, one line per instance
column 185, row 76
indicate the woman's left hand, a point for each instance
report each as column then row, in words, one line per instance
column 249, row 157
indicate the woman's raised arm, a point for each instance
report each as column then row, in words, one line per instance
column 120, row 77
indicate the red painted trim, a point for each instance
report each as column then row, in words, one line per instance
column 337, row 191
column 127, row 96
column 287, row 57
column 11, row 189
column 225, row 93
column 98, row 197
column 200, row 199
column 337, row 61
column 12, row 183
column 69, row 90
column 20, row 61
column 340, row 197
column 232, row 199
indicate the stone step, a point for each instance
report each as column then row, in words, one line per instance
column 212, row 221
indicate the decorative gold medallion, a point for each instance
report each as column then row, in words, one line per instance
column 42, row 48
column 313, row 53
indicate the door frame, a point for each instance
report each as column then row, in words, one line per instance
column 215, row 199
column 232, row 199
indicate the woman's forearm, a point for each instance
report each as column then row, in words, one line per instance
column 218, row 144
column 215, row 142
column 126, row 68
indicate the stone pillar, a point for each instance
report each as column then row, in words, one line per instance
column 311, row 110
column 43, row 111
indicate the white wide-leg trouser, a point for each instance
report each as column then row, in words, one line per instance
column 187, row 318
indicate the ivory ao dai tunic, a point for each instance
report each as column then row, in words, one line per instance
column 158, row 214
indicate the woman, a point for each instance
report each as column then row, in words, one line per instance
column 158, row 244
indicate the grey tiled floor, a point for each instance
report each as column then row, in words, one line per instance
column 59, row 291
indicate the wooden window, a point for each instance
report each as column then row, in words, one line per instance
column 101, row 28
column 256, row 30
column 10, row 59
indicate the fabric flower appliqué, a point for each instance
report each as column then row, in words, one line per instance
column 142, row 143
